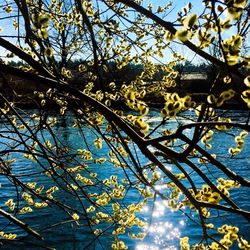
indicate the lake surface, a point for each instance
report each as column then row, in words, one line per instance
column 166, row 226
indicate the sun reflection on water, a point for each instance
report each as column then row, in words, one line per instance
column 161, row 232
column 147, row 247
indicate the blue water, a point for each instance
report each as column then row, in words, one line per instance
column 165, row 227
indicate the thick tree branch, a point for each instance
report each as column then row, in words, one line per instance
column 24, row 56
column 169, row 26
column 21, row 224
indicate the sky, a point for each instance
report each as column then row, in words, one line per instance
column 177, row 5
column 8, row 28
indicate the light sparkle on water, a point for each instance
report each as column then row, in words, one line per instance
column 160, row 232
column 148, row 247
column 182, row 222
